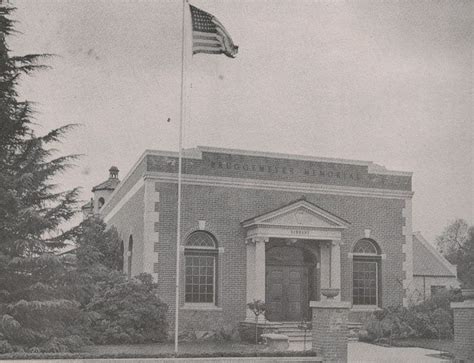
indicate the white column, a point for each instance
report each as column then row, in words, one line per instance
column 260, row 268
column 336, row 267
column 255, row 273
column 250, row 275
column 325, row 266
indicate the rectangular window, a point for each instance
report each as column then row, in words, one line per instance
column 200, row 279
column 365, row 283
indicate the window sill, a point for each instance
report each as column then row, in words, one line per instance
column 365, row 308
column 205, row 307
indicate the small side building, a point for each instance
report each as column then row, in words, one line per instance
column 431, row 271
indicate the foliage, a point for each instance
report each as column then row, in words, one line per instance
column 453, row 236
column 34, row 315
column 258, row 307
column 127, row 312
column 97, row 245
column 50, row 303
column 432, row 318
column 117, row 310
column 457, row 245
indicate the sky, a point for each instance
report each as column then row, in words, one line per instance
column 385, row 81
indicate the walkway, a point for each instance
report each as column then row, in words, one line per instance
column 363, row 352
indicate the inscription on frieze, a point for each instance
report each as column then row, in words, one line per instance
column 303, row 171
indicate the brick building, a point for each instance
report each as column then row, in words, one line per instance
column 266, row 226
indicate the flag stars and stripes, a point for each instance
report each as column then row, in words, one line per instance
column 209, row 35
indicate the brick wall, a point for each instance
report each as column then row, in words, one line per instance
column 223, row 208
column 129, row 221
column 464, row 330
column 330, row 332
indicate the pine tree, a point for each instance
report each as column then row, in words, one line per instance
column 97, row 244
column 34, row 315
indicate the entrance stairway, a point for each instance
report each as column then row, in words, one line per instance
column 354, row 328
column 293, row 332
column 297, row 335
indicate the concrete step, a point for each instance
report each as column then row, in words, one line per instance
column 299, row 340
column 354, row 328
column 292, row 326
column 299, row 337
column 295, row 334
column 290, row 330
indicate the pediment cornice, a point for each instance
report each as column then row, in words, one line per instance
column 299, row 214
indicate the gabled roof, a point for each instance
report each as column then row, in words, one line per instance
column 299, row 213
column 427, row 261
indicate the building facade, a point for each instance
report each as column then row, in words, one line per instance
column 264, row 226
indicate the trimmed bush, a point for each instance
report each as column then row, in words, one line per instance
column 127, row 312
column 433, row 318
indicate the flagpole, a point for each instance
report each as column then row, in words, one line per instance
column 180, row 157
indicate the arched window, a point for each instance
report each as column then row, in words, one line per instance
column 365, row 247
column 200, row 268
column 366, row 273
column 101, row 202
column 130, row 256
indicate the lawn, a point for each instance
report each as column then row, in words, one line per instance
column 164, row 350
column 168, row 348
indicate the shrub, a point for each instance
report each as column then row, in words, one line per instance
column 5, row 347
column 34, row 313
column 433, row 318
column 127, row 312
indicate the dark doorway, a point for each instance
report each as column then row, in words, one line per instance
column 290, row 282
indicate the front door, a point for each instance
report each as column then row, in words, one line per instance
column 286, row 292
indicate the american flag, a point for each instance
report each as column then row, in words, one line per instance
column 210, row 36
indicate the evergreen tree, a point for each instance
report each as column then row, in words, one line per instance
column 97, row 245
column 34, row 315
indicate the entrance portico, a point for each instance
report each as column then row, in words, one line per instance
column 292, row 252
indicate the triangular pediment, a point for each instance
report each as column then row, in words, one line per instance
column 299, row 214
